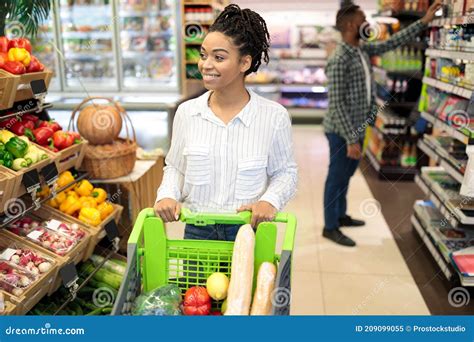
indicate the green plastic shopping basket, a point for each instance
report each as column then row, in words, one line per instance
column 154, row 260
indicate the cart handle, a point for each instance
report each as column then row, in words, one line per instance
column 203, row 219
column 244, row 217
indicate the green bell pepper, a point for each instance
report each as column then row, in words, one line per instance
column 7, row 159
column 17, row 147
column 2, row 147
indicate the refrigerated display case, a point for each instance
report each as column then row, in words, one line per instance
column 115, row 47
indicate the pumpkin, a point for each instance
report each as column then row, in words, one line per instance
column 99, row 124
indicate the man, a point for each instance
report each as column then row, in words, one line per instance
column 352, row 108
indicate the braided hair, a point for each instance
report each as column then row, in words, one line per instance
column 248, row 31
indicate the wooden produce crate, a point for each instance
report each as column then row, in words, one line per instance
column 15, row 241
column 8, row 182
column 10, row 304
column 97, row 233
column 18, row 187
column 15, row 88
column 71, row 156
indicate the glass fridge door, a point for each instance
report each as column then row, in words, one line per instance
column 148, row 38
column 87, row 41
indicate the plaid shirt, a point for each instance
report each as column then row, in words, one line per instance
column 349, row 113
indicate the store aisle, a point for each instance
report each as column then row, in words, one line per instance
column 371, row 279
column 329, row 279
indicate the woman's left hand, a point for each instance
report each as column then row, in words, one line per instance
column 261, row 212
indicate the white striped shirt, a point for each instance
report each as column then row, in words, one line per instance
column 213, row 167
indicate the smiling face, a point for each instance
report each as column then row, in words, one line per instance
column 221, row 63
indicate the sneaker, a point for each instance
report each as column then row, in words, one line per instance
column 348, row 221
column 336, row 236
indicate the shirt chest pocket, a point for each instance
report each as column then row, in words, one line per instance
column 198, row 165
column 251, row 177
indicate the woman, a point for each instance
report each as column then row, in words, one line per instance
column 231, row 149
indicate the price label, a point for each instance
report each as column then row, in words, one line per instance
column 7, row 254
column 112, row 230
column 31, row 181
column 50, row 173
column 68, row 274
column 53, row 225
column 38, row 87
column 35, row 234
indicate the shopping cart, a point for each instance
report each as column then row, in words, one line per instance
column 154, row 260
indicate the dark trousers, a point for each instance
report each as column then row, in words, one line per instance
column 341, row 169
column 223, row 232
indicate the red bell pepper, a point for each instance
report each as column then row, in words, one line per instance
column 30, row 117
column 40, row 135
column 4, row 44
column 3, row 59
column 197, row 301
column 35, row 65
column 20, row 43
column 18, row 128
column 76, row 136
column 14, row 67
column 50, row 124
column 8, row 123
column 62, row 140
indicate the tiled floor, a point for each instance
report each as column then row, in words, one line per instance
column 328, row 279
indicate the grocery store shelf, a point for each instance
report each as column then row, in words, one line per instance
column 303, row 89
column 36, row 109
column 314, row 113
column 460, row 135
column 460, row 20
column 453, row 214
column 389, row 132
column 390, row 172
column 448, row 87
column 89, row 55
column 468, row 56
column 87, row 35
column 146, row 54
column 382, row 103
column 437, row 255
column 131, row 13
column 431, row 152
column 411, row 74
column 401, row 14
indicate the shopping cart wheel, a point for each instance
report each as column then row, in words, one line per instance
column 281, row 297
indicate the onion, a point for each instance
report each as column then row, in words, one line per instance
column 44, row 267
column 15, row 259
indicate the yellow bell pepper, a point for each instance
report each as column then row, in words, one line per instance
column 43, row 192
column 64, row 179
column 5, row 136
column 84, row 188
column 105, row 208
column 72, row 193
column 19, row 55
column 88, row 202
column 61, row 197
column 90, row 216
column 52, row 202
column 70, row 205
column 99, row 194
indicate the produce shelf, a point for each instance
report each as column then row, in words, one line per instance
column 37, row 108
column 446, row 164
column 464, row 55
column 437, row 255
column 448, row 87
column 463, row 135
column 411, row 74
column 7, row 219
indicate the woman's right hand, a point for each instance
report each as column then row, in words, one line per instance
column 168, row 209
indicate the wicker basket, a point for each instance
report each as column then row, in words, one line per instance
column 110, row 160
